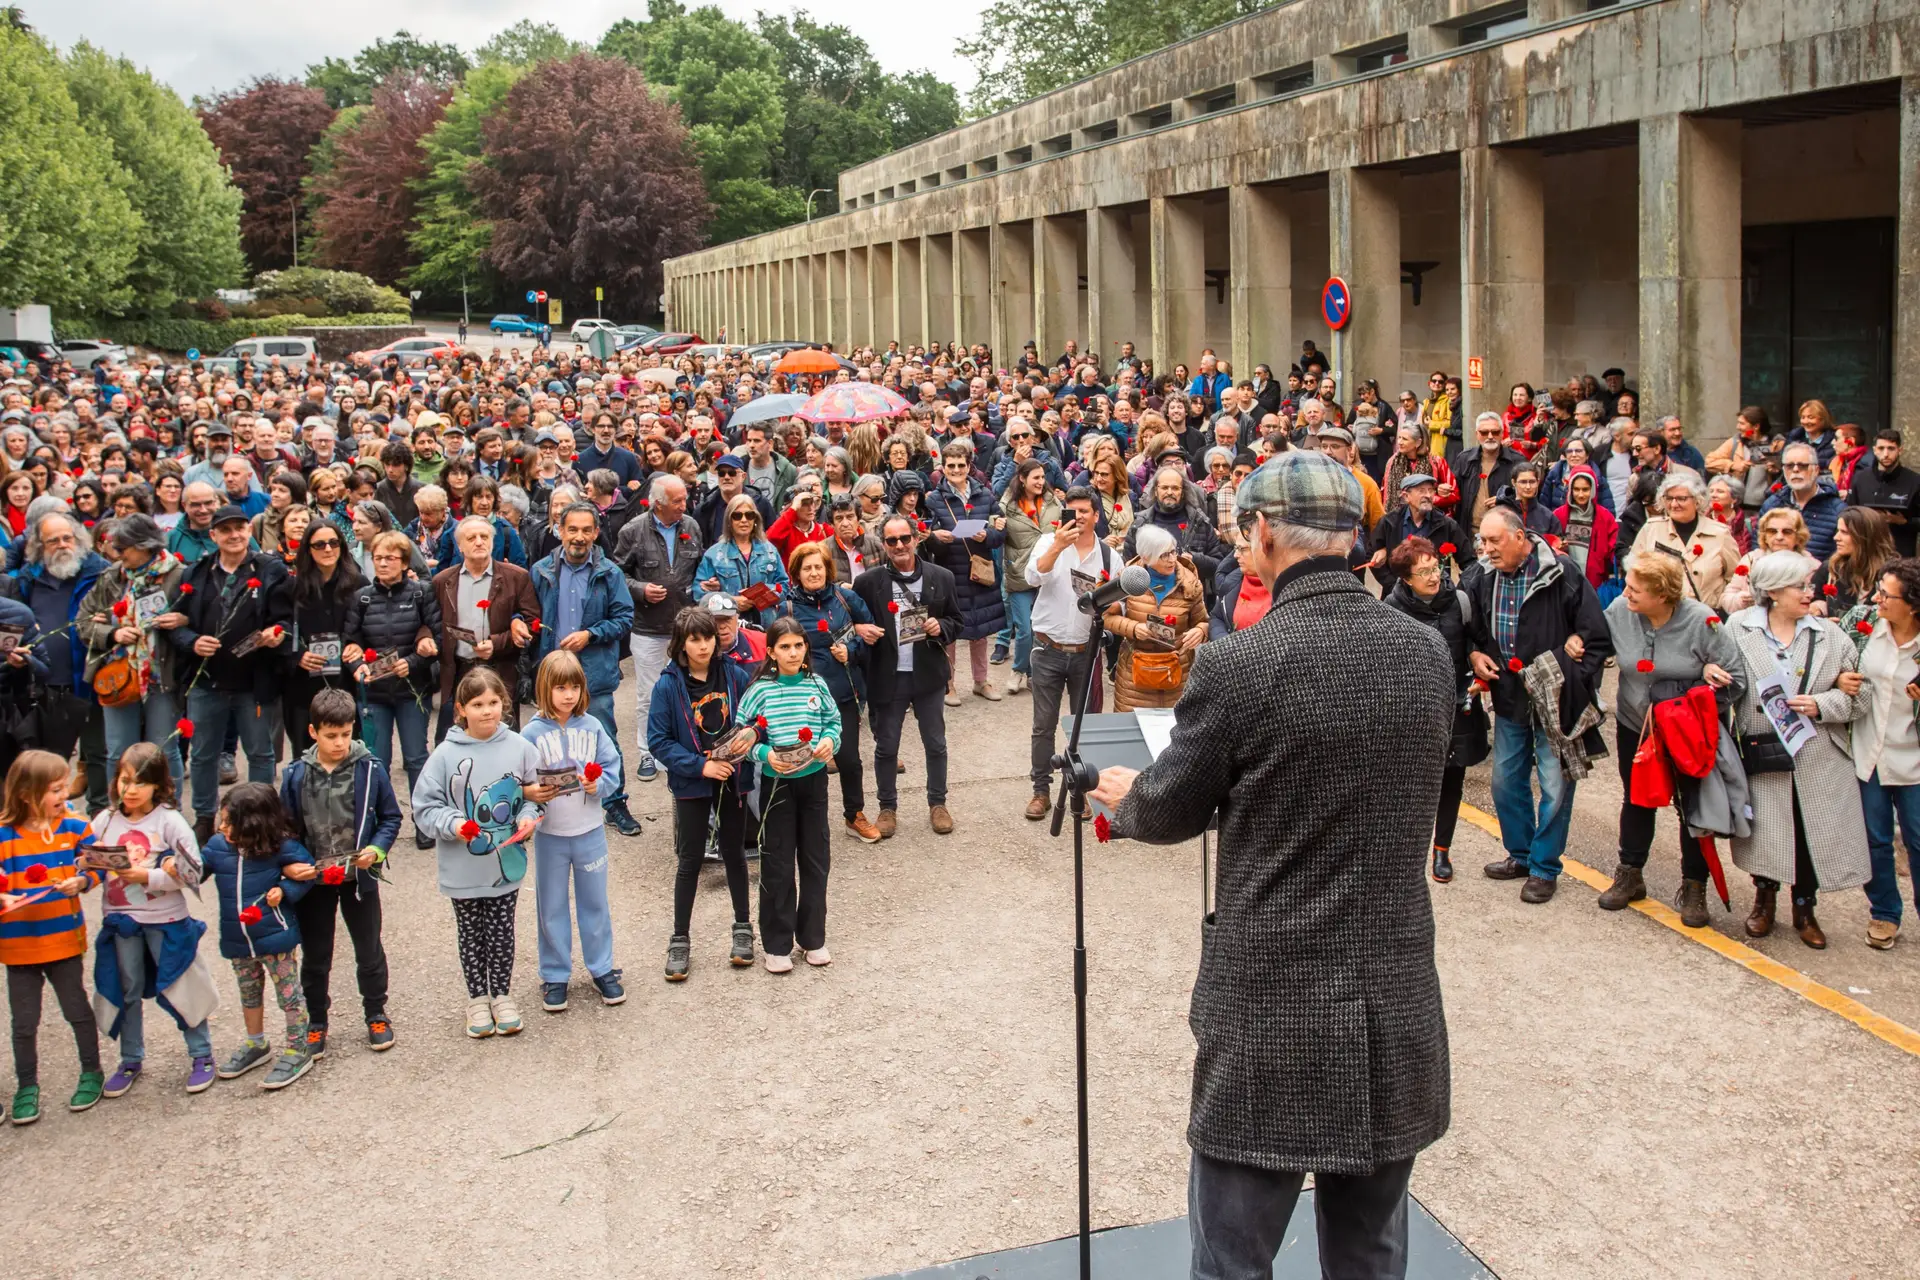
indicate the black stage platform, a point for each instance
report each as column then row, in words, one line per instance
column 1159, row 1251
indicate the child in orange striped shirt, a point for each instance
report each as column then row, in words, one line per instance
column 43, row 935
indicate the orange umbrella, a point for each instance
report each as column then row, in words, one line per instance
column 807, row 360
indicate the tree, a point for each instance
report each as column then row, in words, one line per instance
column 450, row 239
column 369, row 188
column 189, row 238
column 525, row 44
column 68, row 232
column 589, row 180
column 265, row 132
column 352, row 83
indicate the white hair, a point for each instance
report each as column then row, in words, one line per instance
column 1151, row 542
column 477, row 522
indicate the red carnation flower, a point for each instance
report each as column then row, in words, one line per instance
column 644, row 504
column 483, row 605
column 1643, row 666
column 573, row 457
column 1478, row 686
column 806, row 734
column 1104, row 575
column 371, row 656
column 1777, row 487
column 759, row 722
column 333, row 875
column 1514, row 664
column 1447, row 548
column 185, row 729
column 1740, row 570
column 293, row 544
column 1102, row 829
column 534, row 626
column 893, row 606
column 1718, row 508
column 1713, row 620
column 186, row 588
column 921, row 525
column 250, row 915
column 1829, row 590
column 119, row 608
column 35, row 874
column 686, row 537
column 1699, row 550
column 820, row 625
column 469, row 829
column 1168, row 620
column 592, row 771
column 253, row 584
column 1864, row 627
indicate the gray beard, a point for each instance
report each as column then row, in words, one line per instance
column 62, row 565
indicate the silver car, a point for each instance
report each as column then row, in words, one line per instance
column 84, row 353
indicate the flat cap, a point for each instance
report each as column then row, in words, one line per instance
column 1304, row 488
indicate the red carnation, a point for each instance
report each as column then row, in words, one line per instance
column 1777, row 487
column 686, row 537
column 1183, row 526
column 820, row 625
column 1102, row 829
column 469, row 829
column 1514, row 664
column 333, row 875
column 185, row 729
column 921, row 525
column 1740, row 570
column 371, row 656
column 644, row 504
column 1168, row 620
column 1864, row 627
column 1699, row 550
column 483, row 605
column 253, row 584
column 1829, row 590
column 250, row 915
column 534, row 626
column 293, row 544
column 1713, row 620
column 1447, row 548
column 806, row 734
column 186, row 588
column 1478, row 686
column 893, row 606
column 592, row 771
column 1643, row 666
column 35, row 874
column 759, row 722
column 119, row 608
column 1718, row 508
column 573, row 457
column 1104, row 575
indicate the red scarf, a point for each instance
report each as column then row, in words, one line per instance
column 1252, row 604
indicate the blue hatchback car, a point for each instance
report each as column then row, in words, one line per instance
column 513, row 324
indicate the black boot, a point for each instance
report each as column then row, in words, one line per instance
column 1442, row 865
column 1628, row 886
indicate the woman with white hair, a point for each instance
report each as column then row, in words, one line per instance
column 1704, row 545
column 1160, row 628
column 1800, row 668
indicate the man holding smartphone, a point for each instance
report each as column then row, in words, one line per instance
column 1073, row 561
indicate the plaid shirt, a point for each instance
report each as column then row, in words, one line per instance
column 1509, row 591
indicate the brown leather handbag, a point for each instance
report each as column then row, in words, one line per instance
column 1156, row 672
column 117, row 682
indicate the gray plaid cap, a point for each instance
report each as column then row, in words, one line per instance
column 1304, row 488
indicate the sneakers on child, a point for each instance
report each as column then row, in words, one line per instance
column 124, row 1077
column 250, row 1054
column 742, row 954
column 26, row 1104
column 648, row 770
column 679, row 957
column 87, row 1092
column 506, row 1016
column 779, row 963
column 479, row 1018
column 553, row 997
column 611, row 992
column 819, row 957
column 201, row 1076
column 379, row 1034
column 316, row 1041
column 288, row 1067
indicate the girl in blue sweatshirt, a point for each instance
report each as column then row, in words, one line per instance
column 799, row 727
column 572, row 840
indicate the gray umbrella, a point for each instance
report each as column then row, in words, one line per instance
column 766, row 409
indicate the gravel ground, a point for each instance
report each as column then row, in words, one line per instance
column 1625, row 1103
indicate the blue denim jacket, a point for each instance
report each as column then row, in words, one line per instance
column 608, row 615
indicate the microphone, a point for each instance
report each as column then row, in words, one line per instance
column 1132, row 581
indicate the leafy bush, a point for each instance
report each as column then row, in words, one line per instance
column 283, row 307
column 173, row 334
column 343, row 293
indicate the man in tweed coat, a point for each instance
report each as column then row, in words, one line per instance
column 1322, row 1045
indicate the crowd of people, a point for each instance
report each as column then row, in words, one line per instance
column 305, row 565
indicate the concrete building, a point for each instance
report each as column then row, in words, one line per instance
column 1722, row 198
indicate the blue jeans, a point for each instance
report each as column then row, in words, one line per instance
column 214, row 707
column 410, row 718
column 1879, row 803
column 149, row 720
column 583, row 859
column 1020, row 625
column 132, row 953
column 1519, row 751
column 600, row 707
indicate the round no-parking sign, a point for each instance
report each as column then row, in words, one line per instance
column 1336, row 303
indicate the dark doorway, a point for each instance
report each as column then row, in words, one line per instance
column 1816, row 320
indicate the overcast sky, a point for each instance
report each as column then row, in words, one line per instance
column 205, row 46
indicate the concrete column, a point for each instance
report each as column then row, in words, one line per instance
column 1112, row 298
column 1177, row 243
column 1690, row 271
column 886, row 320
column 972, row 284
column 1503, row 285
column 1056, row 283
column 942, row 299
column 1011, row 308
column 910, row 291
column 1363, row 225
column 1260, row 241
column 859, row 299
column 837, row 299
column 1906, row 285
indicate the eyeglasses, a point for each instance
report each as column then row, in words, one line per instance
column 1797, row 466
column 898, row 540
column 748, row 516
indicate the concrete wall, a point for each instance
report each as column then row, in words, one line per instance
column 1593, row 265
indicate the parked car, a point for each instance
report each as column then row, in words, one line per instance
column 507, row 323
column 84, row 353
column 287, row 351
column 411, row 351
column 584, row 329
column 20, row 350
column 640, row 331
column 670, row 344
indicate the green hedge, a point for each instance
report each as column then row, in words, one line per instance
column 209, row 337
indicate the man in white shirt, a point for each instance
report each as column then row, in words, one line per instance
column 1064, row 567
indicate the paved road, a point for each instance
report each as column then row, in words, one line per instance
column 1626, row 1103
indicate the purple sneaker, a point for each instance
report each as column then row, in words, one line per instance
column 122, row 1079
column 200, row 1079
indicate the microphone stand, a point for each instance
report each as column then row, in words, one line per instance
column 1078, row 778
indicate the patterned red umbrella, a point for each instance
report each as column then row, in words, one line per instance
column 853, row 402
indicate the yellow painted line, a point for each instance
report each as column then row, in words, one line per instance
column 1897, row 1034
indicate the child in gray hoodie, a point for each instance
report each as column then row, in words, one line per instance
column 478, row 796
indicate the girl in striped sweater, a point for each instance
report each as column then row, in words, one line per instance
column 799, row 727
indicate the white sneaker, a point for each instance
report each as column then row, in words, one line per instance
column 1018, row 684
column 819, row 958
column 506, row 1016
column 779, row 964
column 479, row 1018
column 987, row 691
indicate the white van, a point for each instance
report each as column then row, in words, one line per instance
column 293, row 352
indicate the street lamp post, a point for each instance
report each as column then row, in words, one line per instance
column 810, row 195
